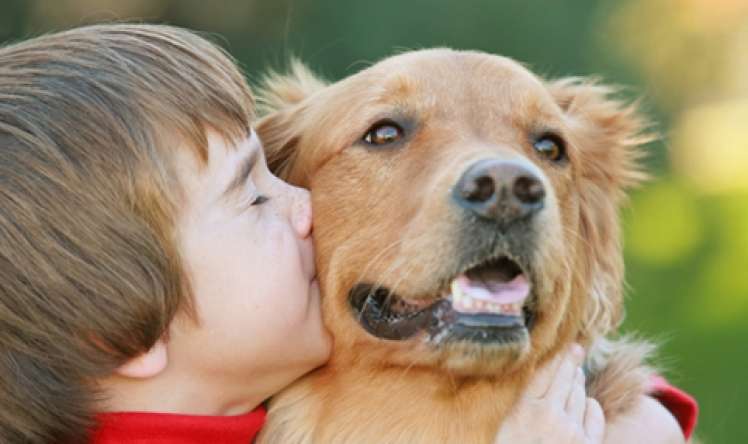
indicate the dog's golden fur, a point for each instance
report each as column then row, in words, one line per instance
column 383, row 215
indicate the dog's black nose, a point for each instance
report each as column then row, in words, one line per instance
column 500, row 190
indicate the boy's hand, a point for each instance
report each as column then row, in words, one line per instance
column 554, row 407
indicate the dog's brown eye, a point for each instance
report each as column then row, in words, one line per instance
column 383, row 133
column 550, row 146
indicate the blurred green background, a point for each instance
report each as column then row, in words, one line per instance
column 686, row 231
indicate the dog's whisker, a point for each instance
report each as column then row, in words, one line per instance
column 395, row 287
column 379, row 256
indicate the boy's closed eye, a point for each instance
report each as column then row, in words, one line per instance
column 259, row 200
column 243, row 174
column 242, row 184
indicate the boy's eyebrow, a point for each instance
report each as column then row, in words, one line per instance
column 242, row 174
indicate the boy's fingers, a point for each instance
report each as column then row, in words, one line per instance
column 563, row 382
column 575, row 405
column 594, row 422
column 543, row 377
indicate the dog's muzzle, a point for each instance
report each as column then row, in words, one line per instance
column 488, row 296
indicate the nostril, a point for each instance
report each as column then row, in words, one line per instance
column 529, row 190
column 479, row 190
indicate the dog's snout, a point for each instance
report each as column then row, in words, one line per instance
column 500, row 190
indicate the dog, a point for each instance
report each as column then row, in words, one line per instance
column 466, row 230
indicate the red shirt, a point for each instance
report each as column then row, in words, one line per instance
column 682, row 405
column 169, row 428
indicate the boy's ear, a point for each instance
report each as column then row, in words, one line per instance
column 147, row 365
column 608, row 135
column 280, row 99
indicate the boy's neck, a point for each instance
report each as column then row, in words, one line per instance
column 180, row 394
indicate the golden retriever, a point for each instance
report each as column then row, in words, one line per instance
column 466, row 229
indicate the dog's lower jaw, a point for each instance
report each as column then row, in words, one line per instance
column 470, row 360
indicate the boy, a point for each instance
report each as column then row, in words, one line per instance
column 120, row 203
column 157, row 283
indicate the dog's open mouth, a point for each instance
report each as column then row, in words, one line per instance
column 486, row 303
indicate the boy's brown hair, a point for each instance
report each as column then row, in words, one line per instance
column 89, row 272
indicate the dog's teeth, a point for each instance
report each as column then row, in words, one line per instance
column 513, row 309
column 456, row 292
column 464, row 302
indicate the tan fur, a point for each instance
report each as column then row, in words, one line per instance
column 382, row 215
column 617, row 372
column 281, row 90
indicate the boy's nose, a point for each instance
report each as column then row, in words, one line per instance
column 301, row 216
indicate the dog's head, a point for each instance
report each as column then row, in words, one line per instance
column 465, row 209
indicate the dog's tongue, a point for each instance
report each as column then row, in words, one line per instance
column 512, row 292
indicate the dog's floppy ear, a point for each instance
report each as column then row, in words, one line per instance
column 280, row 99
column 609, row 135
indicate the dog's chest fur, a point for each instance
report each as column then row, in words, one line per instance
column 413, row 408
column 402, row 406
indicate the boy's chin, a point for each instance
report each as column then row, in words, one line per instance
column 314, row 304
column 320, row 349
column 312, row 343
column 314, row 354
column 308, row 344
